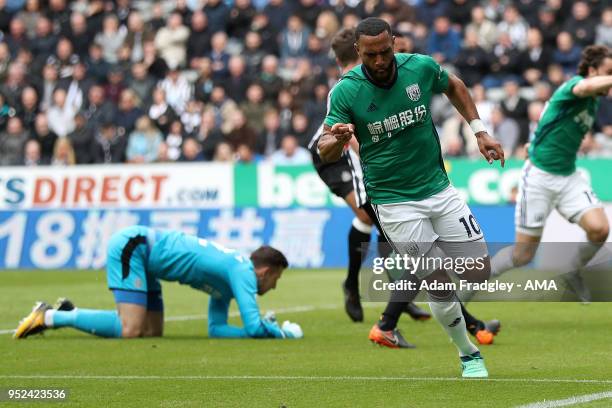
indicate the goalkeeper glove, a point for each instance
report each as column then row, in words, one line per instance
column 292, row 330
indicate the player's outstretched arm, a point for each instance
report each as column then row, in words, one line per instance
column 593, row 86
column 332, row 141
column 217, row 321
column 461, row 99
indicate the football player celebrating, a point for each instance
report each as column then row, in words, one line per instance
column 403, row 167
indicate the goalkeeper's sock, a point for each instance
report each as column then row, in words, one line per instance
column 392, row 313
column 358, row 241
column 472, row 324
column 448, row 314
column 103, row 323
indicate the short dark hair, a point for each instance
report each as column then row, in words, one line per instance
column 268, row 256
column 593, row 56
column 372, row 26
column 343, row 45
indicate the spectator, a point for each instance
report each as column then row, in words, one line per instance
column 60, row 114
column 505, row 130
column 63, row 153
column 192, row 117
column 455, row 136
column 137, row 34
column 98, row 110
column 82, row 139
column 242, row 132
column 79, row 34
column 269, row 34
column 109, row 145
column 308, row 10
column 285, row 106
column 143, row 142
column 141, row 83
column 269, row 79
column 191, row 151
column 269, row 139
column 198, row 43
column 128, row 112
column 178, row 90
column 290, row 153
column 224, row 153
column 162, row 153
column 171, row 41
column 255, row 107
column 238, row 81
column 294, row 40
column 278, row 12
column 5, row 60
column 514, row 106
column 174, row 140
column 253, row 53
column 64, row 58
column 160, row 112
column 318, row 55
column 31, row 155
column 504, row 62
column 14, row 84
column 219, row 57
column 429, row 10
column 603, row 139
column 459, row 13
column 218, row 15
column 240, row 19
column 97, row 67
column 246, row 155
column 209, row 135
column 483, row 104
column 534, row 111
column 472, row 61
column 45, row 137
column 567, row 53
column 205, row 84
column 581, row 24
column 515, row 26
column 77, row 86
column 327, row 26
column 316, row 107
column 156, row 66
column 114, row 85
column 12, row 143
column 224, row 109
column 534, row 59
column 604, row 29
column 111, row 38
column 45, row 42
column 17, row 37
column 29, row 16
column 28, row 109
column 300, row 128
column 549, row 27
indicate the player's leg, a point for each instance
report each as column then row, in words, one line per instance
column 461, row 238
column 154, row 322
column 578, row 204
column 537, row 191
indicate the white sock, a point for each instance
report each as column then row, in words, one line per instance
column 448, row 314
column 502, row 261
column 49, row 317
column 585, row 252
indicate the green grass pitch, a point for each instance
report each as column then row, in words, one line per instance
column 544, row 352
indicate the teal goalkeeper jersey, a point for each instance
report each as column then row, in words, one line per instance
column 562, row 126
column 398, row 144
column 223, row 273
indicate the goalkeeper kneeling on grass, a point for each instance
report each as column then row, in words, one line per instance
column 139, row 257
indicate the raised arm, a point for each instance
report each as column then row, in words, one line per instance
column 332, row 141
column 460, row 97
column 593, row 86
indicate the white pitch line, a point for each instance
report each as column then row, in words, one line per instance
column 301, row 378
column 294, row 309
column 569, row 401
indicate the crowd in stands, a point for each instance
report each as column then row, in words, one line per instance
column 99, row 81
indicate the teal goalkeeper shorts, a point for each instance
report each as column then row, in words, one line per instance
column 126, row 267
